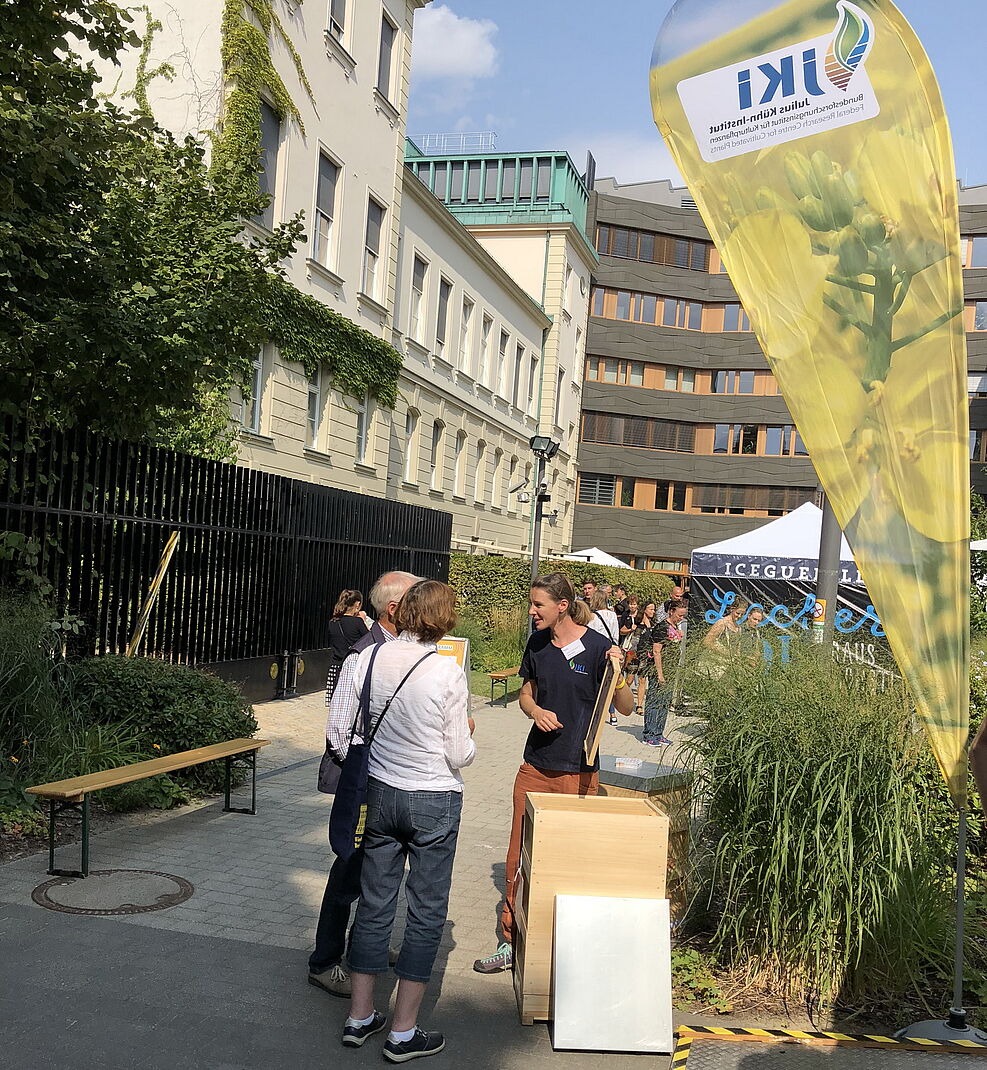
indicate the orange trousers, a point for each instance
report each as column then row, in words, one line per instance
column 531, row 779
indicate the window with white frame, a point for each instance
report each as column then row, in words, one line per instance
column 510, row 502
column 363, row 420
column 459, row 466
column 483, row 369
column 337, row 18
column 314, row 412
column 505, row 341
column 416, row 325
column 480, row 473
column 559, row 393
column 253, row 401
column 411, row 446
column 567, row 289
column 325, row 210
column 435, row 457
column 442, row 316
column 466, row 335
column 532, row 381
column 270, row 140
column 388, row 35
column 371, row 251
column 518, row 373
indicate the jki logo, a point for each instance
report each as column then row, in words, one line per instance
column 795, row 75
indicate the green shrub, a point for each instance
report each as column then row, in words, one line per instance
column 176, row 707
column 829, row 835
column 497, row 643
column 45, row 729
column 487, row 584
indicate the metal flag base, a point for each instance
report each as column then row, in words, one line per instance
column 954, row 1030
column 951, row 1031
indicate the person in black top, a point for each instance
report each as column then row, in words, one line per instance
column 347, row 627
column 620, row 600
column 562, row 670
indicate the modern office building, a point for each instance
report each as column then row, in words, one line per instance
column 684, row 439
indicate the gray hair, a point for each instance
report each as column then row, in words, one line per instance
column 390, row 588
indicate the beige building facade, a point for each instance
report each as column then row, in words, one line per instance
column 480, row 364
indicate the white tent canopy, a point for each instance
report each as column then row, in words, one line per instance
column 979, row 544
column 786, row 548
column 595, row 556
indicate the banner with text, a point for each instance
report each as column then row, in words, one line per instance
column 812, row 136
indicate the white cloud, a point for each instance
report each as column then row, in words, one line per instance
column 627, row 156
column 447, row 45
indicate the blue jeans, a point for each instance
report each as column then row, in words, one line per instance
column 422, row 827
column 656, row 706
column 342, row 891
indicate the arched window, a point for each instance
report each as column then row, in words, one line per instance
column 459, row 466
column 411, row 446
column 480, row 473
column 497, row 478
column 435, row 457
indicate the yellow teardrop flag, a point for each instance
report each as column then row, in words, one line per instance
column 813, row 138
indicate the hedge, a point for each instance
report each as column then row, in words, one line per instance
column 177, row 707
column 487, row 583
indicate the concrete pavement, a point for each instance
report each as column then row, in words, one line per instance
column 220, row 979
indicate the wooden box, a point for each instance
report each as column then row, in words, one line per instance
column 670, row 789
column 573, row 845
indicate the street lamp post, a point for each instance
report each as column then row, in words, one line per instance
column 544, row 448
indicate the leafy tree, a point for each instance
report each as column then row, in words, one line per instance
column 132, row 299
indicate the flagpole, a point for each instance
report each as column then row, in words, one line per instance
column 955, row 1027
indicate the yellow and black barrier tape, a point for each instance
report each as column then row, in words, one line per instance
column 692, row 1033
column 681, row 1054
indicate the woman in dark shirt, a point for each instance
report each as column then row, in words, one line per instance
column 562, row 670
column 348, row 625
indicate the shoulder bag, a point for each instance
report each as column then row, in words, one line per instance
column 348, row 818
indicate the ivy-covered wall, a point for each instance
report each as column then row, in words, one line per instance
column 303, row 328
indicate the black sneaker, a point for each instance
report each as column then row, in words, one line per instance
column 420, row 1045
column 355, row 1035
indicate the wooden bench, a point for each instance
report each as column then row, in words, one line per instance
column 73, row 794
column 501, row 677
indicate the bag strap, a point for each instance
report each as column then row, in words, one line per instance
column 605, row 628
column 387, row 705
column 364, row 703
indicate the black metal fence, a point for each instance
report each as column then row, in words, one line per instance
column 259, row 562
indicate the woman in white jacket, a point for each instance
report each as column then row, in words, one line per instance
column 413, row 809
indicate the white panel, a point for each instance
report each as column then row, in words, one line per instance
column 613, row 974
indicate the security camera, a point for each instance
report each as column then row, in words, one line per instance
column 520, row 486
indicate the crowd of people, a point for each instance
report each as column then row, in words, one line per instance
column 649, row 636
column 415, row 712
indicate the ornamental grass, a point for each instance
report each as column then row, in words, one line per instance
column 827, row 845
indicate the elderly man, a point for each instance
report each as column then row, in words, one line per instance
column 325, row 964
column 678, row 595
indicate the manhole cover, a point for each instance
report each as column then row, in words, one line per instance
column 113, row 891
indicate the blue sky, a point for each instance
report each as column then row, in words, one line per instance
column 574, row 76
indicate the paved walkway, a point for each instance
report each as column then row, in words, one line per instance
column 220, row 980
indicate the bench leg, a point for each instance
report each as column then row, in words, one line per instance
column 252, row 759
column 54, row 809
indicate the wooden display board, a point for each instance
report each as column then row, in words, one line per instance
column 604, row 700
column 578, row 845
